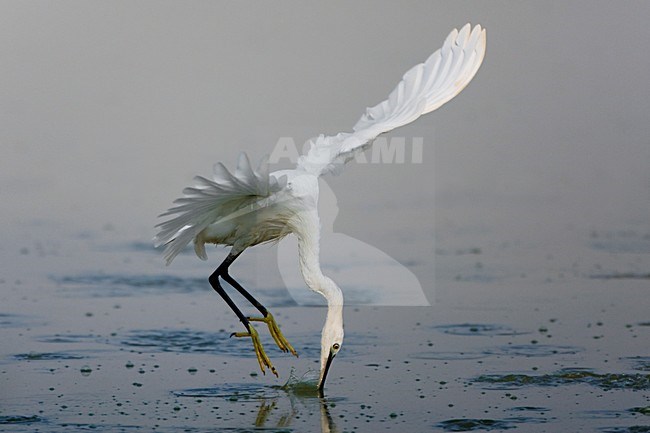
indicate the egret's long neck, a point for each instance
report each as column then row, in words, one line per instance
column 307, row 229
column 309, row 253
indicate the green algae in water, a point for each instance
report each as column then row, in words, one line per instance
column 641, row 410
column 474, row 424
column 632, row 429
column 18, row 419
column 607, row 381
column 52, row 356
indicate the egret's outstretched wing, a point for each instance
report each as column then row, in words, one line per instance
column 423, row 88
column 208, row 201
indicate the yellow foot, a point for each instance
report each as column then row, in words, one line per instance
column 282, row 342
column 259, row 350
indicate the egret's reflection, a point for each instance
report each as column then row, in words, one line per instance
column 278, row 407
column 305, row 406
column 326, row 422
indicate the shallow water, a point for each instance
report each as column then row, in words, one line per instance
column 118, row 350
column 525, row 224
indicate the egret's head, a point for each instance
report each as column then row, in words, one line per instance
column 331, row 343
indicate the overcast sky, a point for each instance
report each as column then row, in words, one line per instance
column 107, row 109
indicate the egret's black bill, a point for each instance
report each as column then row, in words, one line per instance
column 321, row 385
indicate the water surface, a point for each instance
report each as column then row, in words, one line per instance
column 525, row 225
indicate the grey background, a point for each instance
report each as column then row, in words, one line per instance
column 107, row 109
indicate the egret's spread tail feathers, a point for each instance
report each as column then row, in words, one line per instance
column 210, row 200
column 423, row 88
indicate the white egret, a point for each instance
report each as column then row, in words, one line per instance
column 249, row 206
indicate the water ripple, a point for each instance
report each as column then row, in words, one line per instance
column 624, row 241
column 449, row 356
column 124, row 285
column 193, row 341
column 534, row 350
column 479, row 329
column 232, row 392
column 640, row 363
column 473, row 424
column 18, row 419
column 114, row 285
column 621, row 276
column 630, row 429
column 50, row 356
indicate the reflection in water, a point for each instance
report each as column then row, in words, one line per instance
column 303, row 396
column 298, row 400
column 263, row 414
column 298, row 405
column 326, row 422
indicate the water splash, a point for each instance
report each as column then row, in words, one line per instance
column 305, row 385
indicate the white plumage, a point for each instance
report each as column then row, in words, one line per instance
column 252, row 206
column 423, row 88
column 221, row 203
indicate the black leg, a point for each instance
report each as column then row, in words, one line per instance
column 222, row 272
column 230, row 280
column 216, row 285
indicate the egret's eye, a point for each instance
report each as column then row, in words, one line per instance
column 336, row 346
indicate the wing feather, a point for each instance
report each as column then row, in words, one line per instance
column 423, row 88
column 207, row 201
